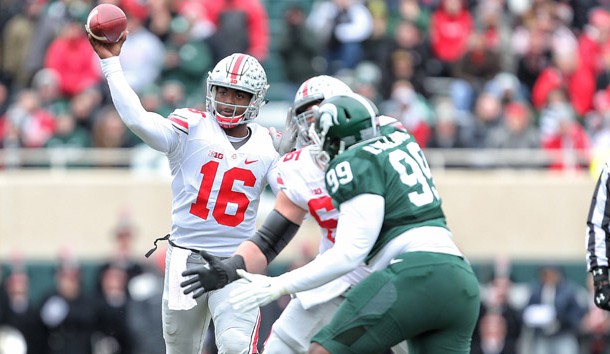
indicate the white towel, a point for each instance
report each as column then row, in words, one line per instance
column 177, row 300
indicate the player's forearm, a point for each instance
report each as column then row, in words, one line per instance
column 151, row 127
column 597, row 254
column 328, row 266
column 359, row 224
column 125, row 99
column 254, row 258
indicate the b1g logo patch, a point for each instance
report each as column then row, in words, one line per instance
column 317, row 191
column 216, row 154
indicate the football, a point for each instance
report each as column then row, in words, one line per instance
column 106, row 23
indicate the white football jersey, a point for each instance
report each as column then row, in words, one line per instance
column 216, row 188
column 302, row 180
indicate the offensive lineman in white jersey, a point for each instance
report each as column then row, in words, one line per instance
column 220, row 164
column 303, row 190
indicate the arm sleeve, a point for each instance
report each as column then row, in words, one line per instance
column 359, row 225
column 598, row 223
column 152, row 128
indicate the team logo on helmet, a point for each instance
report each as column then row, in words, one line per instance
column 328, row 116
column 343, row 121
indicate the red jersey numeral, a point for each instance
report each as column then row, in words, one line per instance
column 324, row 212
column 293, row 155
column 226, row 194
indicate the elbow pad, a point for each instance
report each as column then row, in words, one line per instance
column 274, row 235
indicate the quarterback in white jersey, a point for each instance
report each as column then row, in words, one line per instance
column 220, row 164
column 216, row 187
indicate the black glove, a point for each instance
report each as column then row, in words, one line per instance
column 602, row 288
column 215, row 275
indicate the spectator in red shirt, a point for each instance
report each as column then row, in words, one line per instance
column 564, row 136
column 450, row 28
column 593, row 38
column 567, row 74
column 227, row 16
column 71, row 56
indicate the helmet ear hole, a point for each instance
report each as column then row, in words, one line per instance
column 347, row 115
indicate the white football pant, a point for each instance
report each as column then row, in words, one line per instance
column 184, row 330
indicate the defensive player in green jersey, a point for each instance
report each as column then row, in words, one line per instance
column 421, row 288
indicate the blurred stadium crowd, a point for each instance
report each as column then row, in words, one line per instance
column 112, row 306
column 459, row 74
column 496, row 74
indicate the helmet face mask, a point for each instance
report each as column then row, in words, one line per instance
column 230, row 114
column 240, row 72
column 341, row 122
column 311, row 93
column 303, row 121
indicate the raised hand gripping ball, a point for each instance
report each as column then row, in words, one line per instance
column 106, row 23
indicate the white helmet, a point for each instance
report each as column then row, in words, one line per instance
column 314, row 91
column 240, row 72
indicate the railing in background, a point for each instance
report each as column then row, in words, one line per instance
column 507, row 158
column 67, row 158
column 144, row 157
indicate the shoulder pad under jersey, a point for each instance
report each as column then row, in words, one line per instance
column 181, row 117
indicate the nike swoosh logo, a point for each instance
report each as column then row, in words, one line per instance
column 249, row 162
column 394, row 261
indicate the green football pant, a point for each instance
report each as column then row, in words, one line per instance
column 430, row 299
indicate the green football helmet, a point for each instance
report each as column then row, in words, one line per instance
column 343, row 121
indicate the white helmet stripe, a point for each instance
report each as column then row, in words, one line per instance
column 366, row 104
